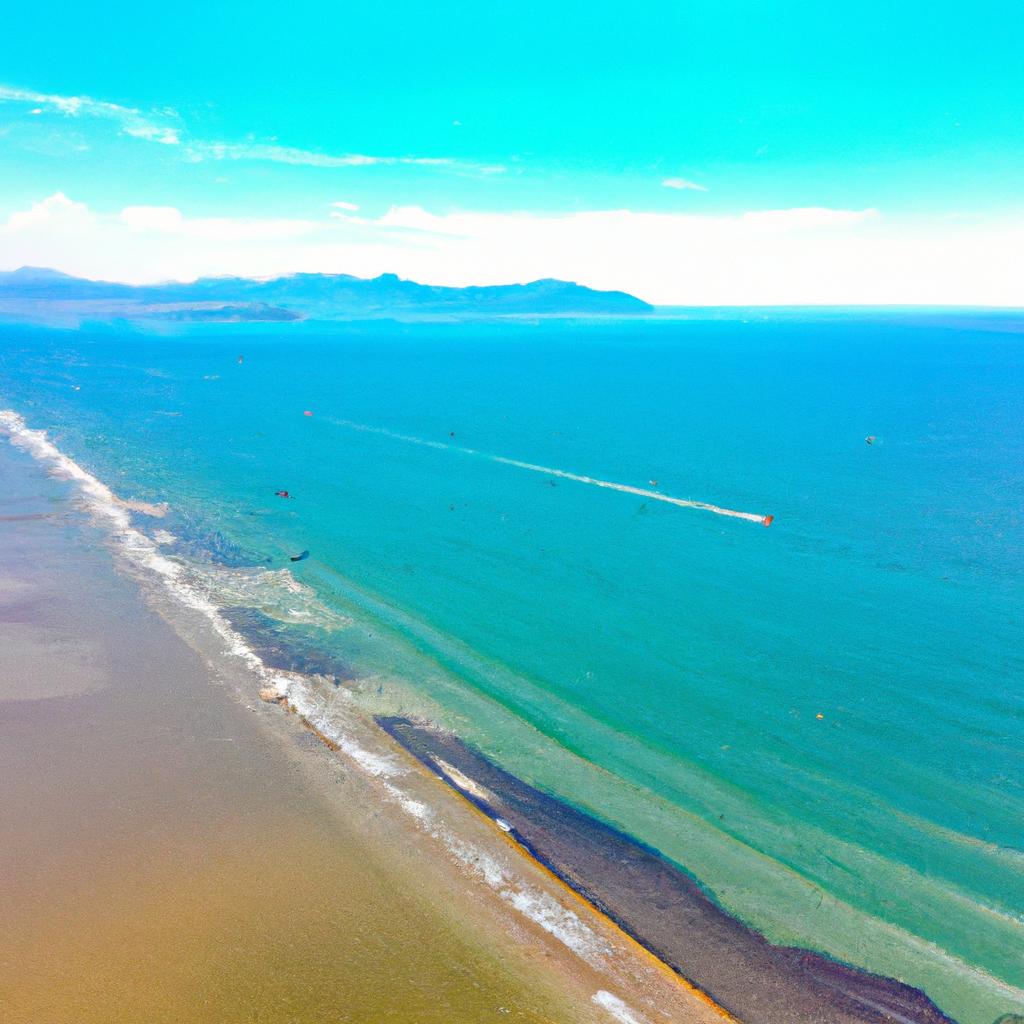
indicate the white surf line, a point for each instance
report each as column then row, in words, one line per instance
column 579, row 478
column 617, row 1008
column 142, row 553
column 537, row 905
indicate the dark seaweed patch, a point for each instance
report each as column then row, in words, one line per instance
column 286, row 647
column 667, row 911
column 201, row 543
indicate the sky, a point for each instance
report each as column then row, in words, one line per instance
column 726, row 152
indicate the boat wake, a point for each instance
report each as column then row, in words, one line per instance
column 563, row 474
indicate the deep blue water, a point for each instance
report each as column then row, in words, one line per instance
column 663, row 667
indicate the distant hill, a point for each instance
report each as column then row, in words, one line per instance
column 320, row 295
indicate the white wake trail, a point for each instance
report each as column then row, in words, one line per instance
column 753, row 517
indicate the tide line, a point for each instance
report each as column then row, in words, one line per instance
column 753, row 517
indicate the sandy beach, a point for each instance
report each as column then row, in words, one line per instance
column 511, row 514
column 175, row 849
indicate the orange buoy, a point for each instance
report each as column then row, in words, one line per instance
column 767, row 521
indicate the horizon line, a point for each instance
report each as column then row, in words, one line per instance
column 886, row 306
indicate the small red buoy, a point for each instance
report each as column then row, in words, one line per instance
column 767, row 521
column 307, row 413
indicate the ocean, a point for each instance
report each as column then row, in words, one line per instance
column 819, row 721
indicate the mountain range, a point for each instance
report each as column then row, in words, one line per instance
column 297, row 296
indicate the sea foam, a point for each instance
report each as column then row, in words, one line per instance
column 199, row 590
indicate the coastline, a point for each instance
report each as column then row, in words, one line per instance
column 401, row 787
column 179, row 840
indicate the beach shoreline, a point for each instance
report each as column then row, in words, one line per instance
column 545, row 953
column 627, row 959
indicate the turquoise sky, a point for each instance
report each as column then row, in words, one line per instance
column 912, row 109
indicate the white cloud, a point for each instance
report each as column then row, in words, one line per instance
column 153, row 133
column 682, row 183
column 152, row 218
column 302, row 157
column 163, row 126
column 153, row 127
column 167, row 220
column 56, row 209
column 807, row 218
column 795, row 256
column 346, row 212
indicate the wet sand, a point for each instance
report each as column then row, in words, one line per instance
column 173, row 850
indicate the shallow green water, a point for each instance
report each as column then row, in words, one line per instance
column 663, row 667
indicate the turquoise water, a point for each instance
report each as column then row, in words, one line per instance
column 663, row 667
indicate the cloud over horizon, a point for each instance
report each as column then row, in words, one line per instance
column 804, row 255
